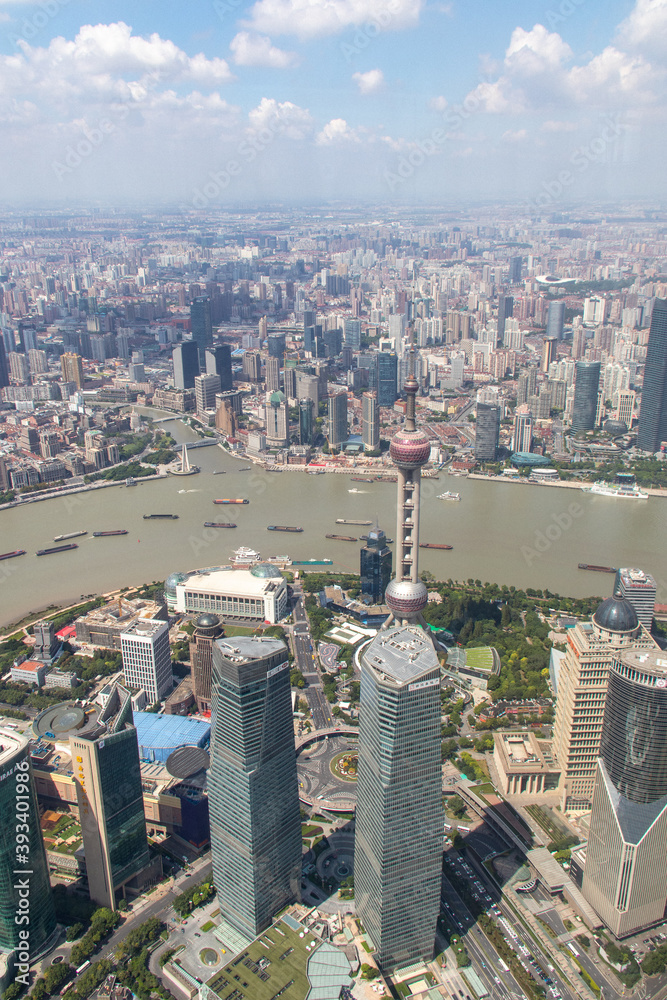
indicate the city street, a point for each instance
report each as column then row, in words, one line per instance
column 304, row 660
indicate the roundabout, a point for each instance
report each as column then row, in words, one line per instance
column 344, row 765
column 208, row 956
column 327, row 772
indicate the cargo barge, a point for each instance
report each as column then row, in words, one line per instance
column 105, row 534
column 242, row 500
column 342, row 520
column 362, row 479
column 434, row 545
column 282, row 527
column 57, row 548
column 343, row 538
column 160, row 517
column 312, row 562
column 70, row 534
column 12, row 555
column 597, row 569
column 219, row 524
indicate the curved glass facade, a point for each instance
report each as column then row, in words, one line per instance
column 634, row 734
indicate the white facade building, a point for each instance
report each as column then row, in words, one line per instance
column 259, row 594
column 147, row 658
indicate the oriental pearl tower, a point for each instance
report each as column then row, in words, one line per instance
column 407, row 596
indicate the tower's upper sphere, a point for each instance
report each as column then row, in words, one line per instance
column 404, row 598
column 410, row 449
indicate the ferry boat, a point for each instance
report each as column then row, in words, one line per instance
column 57, row 548
column 281, row 527
column 160, row 517
column 241, row 500
column 625, row 485
column 12, row 555
column 70, row 534
column 219, row 524
column 448, row 495
column 130, row 481
column 434, row 545
column 354, row 490
column 105, row 534
column 315, row 472
column 344, row 520
column 343, row 538
column 245, row 556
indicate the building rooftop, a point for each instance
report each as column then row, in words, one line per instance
column 616, row 615
column 167, row 732
column 232, row 581
column 402, row 654
column 145, row 627
column 636, row 578
column 651, row 663
column 10, row 744
column 242, row 648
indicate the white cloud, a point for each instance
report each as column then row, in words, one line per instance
column 646, row 27
column 336, row 131
column 370, row 82
column 285, row 119
column 256, row 50
column 553, row 125
column 536, row 51
column 438, row 104
column 514, row 136
column 317, row 18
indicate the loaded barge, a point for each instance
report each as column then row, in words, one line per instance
column 281, row 527
column 105, row 534
column 597, row 569
column 57, row 548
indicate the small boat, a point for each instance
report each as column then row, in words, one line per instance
column 386, row 479
column 281, row 527
column 343, row 538
column 219, row 524
column 597, row 569
column 242, row 500
column 312, row 562
column 245, row 468
column 315, row 472
column 219, row 472
column 361, row 479
column 160, row 517
column 356, row 491
column 57, row 548
column 343, row 520
column 130, row 481
column 245, row 556
column 12, row 555
column 105, row 534
column 70, row 534
column 434, row 545
column 448, row 495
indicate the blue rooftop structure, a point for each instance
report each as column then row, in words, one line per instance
column 524, row 458
column 159, row 735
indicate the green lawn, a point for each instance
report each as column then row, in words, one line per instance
column 208, row 926
column 480, row 658
column 287, row 955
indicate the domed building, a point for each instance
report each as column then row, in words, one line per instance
column 170, row 585
column 247, row 597
column 583, row 675
column 207, row 630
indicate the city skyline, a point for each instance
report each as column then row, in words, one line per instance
column 107, row 103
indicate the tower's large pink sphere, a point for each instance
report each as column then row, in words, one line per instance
column 404, row 598
column 410, row 449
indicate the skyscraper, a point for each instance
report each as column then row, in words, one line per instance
column 653, row 413
column 206, row 389
column 548, row 352
column 277, row 420
column 253, row 788
column 587, row 381
column 147, row 658
column 625, row 875
column 515, row 270
column 201, row 326
column 639, row 588
column 375, row 565
column 72, row 368
column 386, row 379
column 398, row 838
column 523, row 429
column 556, row 319
column 487, row 432
column 105, row 759
column 337, row 422
column 219, row 362
column 306, row 421
column 186, row 364
column 352, row 331
column 272, row 373
column 26, row 938
column 370, row 421
column 207, row 630
column 505, row 310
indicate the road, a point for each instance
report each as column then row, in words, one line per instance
column 304, row 658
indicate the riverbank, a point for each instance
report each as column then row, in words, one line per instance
column 68, row 491
column 569, row 484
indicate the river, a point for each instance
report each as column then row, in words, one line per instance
column 526, row 536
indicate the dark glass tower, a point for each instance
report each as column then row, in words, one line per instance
column 375, row 565
column 253, row 788
column 386, row 378
column 186, row 364
column 487, row 432
column 306, row 421
column 653, row 414
column 587, row 382
column 219, row 362
column 505, row 310
column 556, row 319
column 201, row 325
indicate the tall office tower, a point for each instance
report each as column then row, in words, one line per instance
column 337, row 422
column 523, row 429
column 625, row 875
column 252, row 366
column 272, row 373
column 556, row 319
column 28, row 338
column 110, row 800
column 186, row 364
column 505, row 310
column 276, row 346
column 527, row 386
column 4, row 369
column 289, row 382
column 308, row 387
column 206, row 389
column 398, row 837
column 375, row 565
column 515, row 270
column 578, row 342
column 37, row 362
column 252, row 785
column 201, row 325
column 652, row 427
column 72, row 368
column 306, row 421
column 586, row 385
column 548, row 353
column 370, row 421
column 276, row 416
column 19, row 369
column 146, row 656
column 582, row 687
column 219, row 362
column 17, row 796
column 207, row 630
column 640, row 589
column 487, row 432
column 386, row 377
column 352, row 333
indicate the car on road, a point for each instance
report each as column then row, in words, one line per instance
column 197, row 934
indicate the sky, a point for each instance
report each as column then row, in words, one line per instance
column 200, row 104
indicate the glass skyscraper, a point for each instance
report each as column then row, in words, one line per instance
column 19, row 809
column 587, row 382
column 386, row 377
column 201, row 326
column 375, row 564
column 186, row 364
column 253, row 787
column 653, row 413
